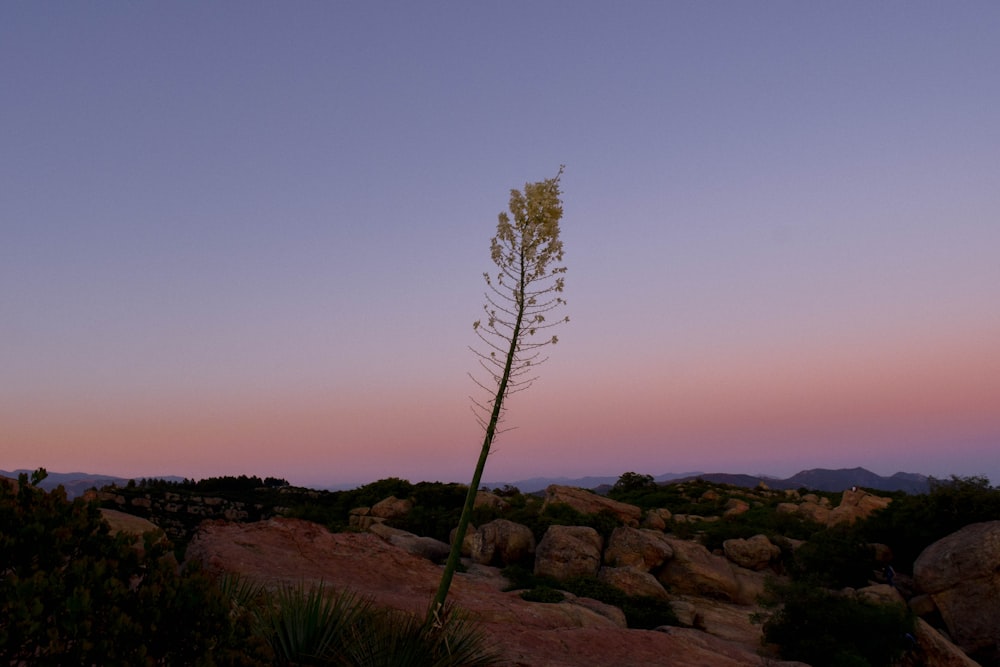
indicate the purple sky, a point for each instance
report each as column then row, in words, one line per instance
column 243, row 237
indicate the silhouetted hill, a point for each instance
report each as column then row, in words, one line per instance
column 76, row 483
column 820, row 479
column 823, row 479
column 599, row 484
column 747, row 481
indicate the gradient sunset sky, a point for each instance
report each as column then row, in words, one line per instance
column 248, row 237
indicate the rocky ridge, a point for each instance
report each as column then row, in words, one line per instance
column 714, row 593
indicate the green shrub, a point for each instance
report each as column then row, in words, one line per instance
column 647, row 613
column 303, row 626
column 760, row 520
column 400, row 639
column 543, row 594
column 640, row 611
column 71, row 593
column 436, row 510
column 518, row 577
column 837, row 557
column 825, row 629
column 911, row 523
column 317, row 626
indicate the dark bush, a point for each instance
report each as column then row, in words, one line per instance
column 436, row 510
column 911, row 523
column 640, row 611
column 543, row 594
column 825, row 629
column 835, row 558
column 72, row 593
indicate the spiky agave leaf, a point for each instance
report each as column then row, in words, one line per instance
column 305, row 626
column 402, row 639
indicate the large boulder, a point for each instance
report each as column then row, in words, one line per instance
column 633, row 581
column 883, row 594
column 735, row 507
column 569, row 551
column 653, row 519
column 809, row 509
column 588, row 502
column 961, row 573
column 392, row 508
column 934, row 650
column 755, row 553
column 361, row 518
column 490, row 500
column 424, row 547
column 122, row 522
column 856, row 505
column 501, row 542
column 640, row 548
column 696, row 571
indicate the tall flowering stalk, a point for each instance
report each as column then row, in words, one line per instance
column 520, row 299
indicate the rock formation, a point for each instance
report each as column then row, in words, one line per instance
column 961, row 574
column 856, row 504
column 696, row 571
column 569, row 551
column 644, row 549
column 755, row 553
column 568, row 634
column 500, row 542
column 588, row 502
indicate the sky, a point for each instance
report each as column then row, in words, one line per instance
column 249, row 237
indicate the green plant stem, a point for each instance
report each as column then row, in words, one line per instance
column 470, row 497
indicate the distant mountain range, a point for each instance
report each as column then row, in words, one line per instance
column 818, row 479
column 76, row 483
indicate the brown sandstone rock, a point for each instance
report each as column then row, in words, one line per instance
column 588, row 502
column 922, row 605
column 693, row 570
column 121, row 522
column 654, row 521
column 880, row 594
column 362, row 519
column 568, row 551
column 855, row 505
column 392, row 508
column 290, row 551
column 640, row 548
column 490, row 499
column 755, row 553
column 633, row 581
column 725, row 620
column 735, row 507
column 751, row 585
column 813, row 511
column 686, row 613
column 961, row 573
column 423, row 547
column 500, row 542
column 934, row 650
column 663, row 513
column 610, row 612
